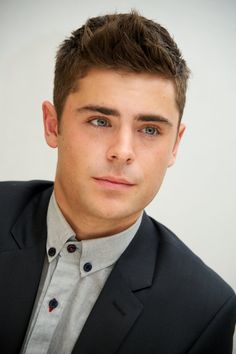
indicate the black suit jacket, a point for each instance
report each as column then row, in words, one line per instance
column 160, row 298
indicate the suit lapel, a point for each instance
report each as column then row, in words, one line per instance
column 24, row 264
column 118, row 307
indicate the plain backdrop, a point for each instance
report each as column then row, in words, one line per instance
column 197, row 200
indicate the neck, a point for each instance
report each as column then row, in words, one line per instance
column 90, row 227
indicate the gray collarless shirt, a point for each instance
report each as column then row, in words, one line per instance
column 73, row 276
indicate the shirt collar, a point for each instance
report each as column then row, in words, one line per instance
column 59, row 231
column 104, row 251
column 99, row 252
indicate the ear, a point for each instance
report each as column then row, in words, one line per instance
column 50, row 124
column 176, row 145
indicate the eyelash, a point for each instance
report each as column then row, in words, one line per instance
column 107, row 125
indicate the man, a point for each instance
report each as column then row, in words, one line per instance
column 83, row 269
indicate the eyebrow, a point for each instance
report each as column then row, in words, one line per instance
column 114, row 112
column 100, row 109
column 154, row 118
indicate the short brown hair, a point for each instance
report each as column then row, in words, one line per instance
column 127, row 42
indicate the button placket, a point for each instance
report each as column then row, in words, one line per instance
column 65, row 276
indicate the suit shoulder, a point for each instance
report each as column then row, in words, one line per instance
column 189, row 269
column 14, row 195
column 17, row 188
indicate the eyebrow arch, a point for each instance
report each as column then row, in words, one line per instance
column 154, row 118
column 114, row 112
column 100, row 109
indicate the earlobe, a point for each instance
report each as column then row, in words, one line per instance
column 176, row 145
column 50, row 124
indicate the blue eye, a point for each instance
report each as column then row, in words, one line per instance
column 100, row 122
column 150, row 130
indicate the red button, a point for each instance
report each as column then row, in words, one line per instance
column 71, row 248
column 52, row 304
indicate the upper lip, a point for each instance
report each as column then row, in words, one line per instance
column 113, row 179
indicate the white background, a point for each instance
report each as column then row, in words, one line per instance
column 198, row 197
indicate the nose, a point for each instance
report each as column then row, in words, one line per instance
column 121, row 149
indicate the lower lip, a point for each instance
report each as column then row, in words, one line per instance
column 113, row 185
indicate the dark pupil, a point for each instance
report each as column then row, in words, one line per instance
column 102, row 122
column 150, row 130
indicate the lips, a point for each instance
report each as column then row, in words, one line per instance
column 113, row 182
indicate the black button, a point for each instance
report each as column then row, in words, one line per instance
column 87, row 267
column 52, row 251
column 71, row 248
column 52, row 304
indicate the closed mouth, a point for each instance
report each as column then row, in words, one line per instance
column 115, row 180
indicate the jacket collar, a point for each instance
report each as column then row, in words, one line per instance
column 24, row 264
column 118, row 306
column 31, row 224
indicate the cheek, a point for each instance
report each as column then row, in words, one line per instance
column 80, row 157
column 156, row 160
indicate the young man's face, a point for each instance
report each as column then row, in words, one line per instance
column 118, row 134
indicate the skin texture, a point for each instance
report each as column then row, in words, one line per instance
column 117, row 136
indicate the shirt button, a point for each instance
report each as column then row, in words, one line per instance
column 52, row 304
column 71, row 248
column 52, row 251
column 87, row 267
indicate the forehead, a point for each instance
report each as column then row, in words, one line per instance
column 127, row 92
column 104, row 76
